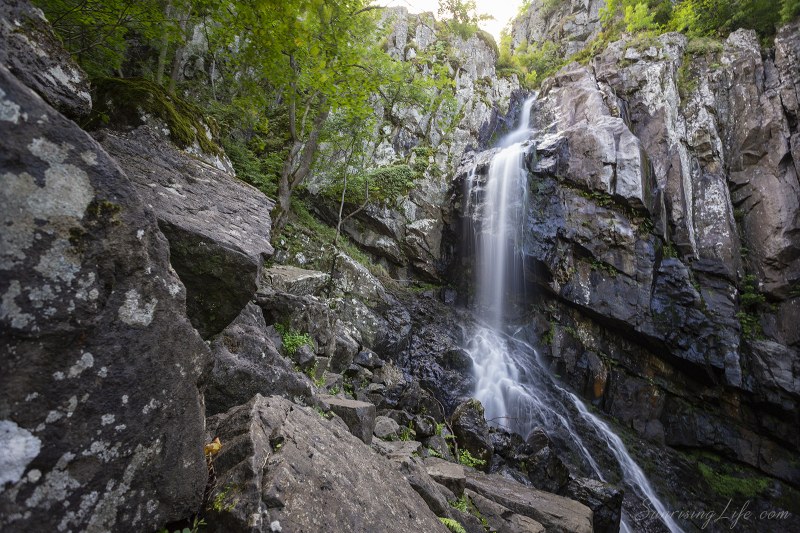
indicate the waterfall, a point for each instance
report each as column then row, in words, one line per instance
column 517, row 391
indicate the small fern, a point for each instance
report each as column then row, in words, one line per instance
column 452, row 525
column 468, row 459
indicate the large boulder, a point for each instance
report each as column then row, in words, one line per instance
column 472, row 431
column 303, row 314
column 246, row 362
column 297, row 281
column 603, row 499
column 555, row 513
column 33, row 53
column 289, row 469
column 102, row 422
column 501, row 518
column 359, row 416
column 218, row 227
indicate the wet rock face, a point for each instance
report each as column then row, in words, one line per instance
column 101, row 421
column 33, row 54
column 472, row 432
column 289, row 469
column 648, row 212
column 217, row 226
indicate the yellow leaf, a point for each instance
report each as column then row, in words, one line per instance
column 213, row 447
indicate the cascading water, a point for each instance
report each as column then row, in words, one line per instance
column 515, row 388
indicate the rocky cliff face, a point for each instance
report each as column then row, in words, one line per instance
column 570, row 24
column 662, row 236
column 407, row 238
column 100, row 409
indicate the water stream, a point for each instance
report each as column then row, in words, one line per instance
column 515, row 388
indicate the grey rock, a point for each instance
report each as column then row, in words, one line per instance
column 217, row 226
column 415, row 399
column 304, row 357
column 285, row 464
column 303, row 314
column 345, row 352
column 776, row 369
column 472, row 431
column 386, row 428
column 332, row 380
column 358, row 376
column 359, row 416
column 603, row 499
column 373, row 393
column 423, row 484
column 293, row 280
column 398, row 450
column 438, row 444
column 368, row 359
column 33, row 53
column 570, row 24
column 555, row 513
column 451, row 475
column 353, row 279
column 246, row 362
column 424, row 426
column 502, row 519
column 100, row 367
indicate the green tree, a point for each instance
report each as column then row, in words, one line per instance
column 313, row 57
column 461, row 16
column 790, row 9
column 638, row 17
column 98, row 33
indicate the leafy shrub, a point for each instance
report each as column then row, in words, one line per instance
column 452, row 525
column 406, row 433
column 382, row 185
column 638, row 17
column 292, row 340
column 467, row 459
column 750, row 303
column 462, row 504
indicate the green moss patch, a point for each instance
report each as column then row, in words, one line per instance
column 122, row 101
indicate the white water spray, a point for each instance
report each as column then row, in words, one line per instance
column 516, row 390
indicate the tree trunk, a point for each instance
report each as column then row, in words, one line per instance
column 162, row 54
column 177, row 61
column 297, row 166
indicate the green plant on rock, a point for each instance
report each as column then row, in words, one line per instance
column 434, row 453
column 225, row 500
column 407, row 433
column 293, row 340
column 127, row 99
column 638, row 17
column 383, row 185
column 467, row 459
column 452, row 525
column 731, row 484
column 462, row 504
column 670, row 252
column 750, row 304
column 461, row 17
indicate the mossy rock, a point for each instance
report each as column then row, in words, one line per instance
column 123, row 103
